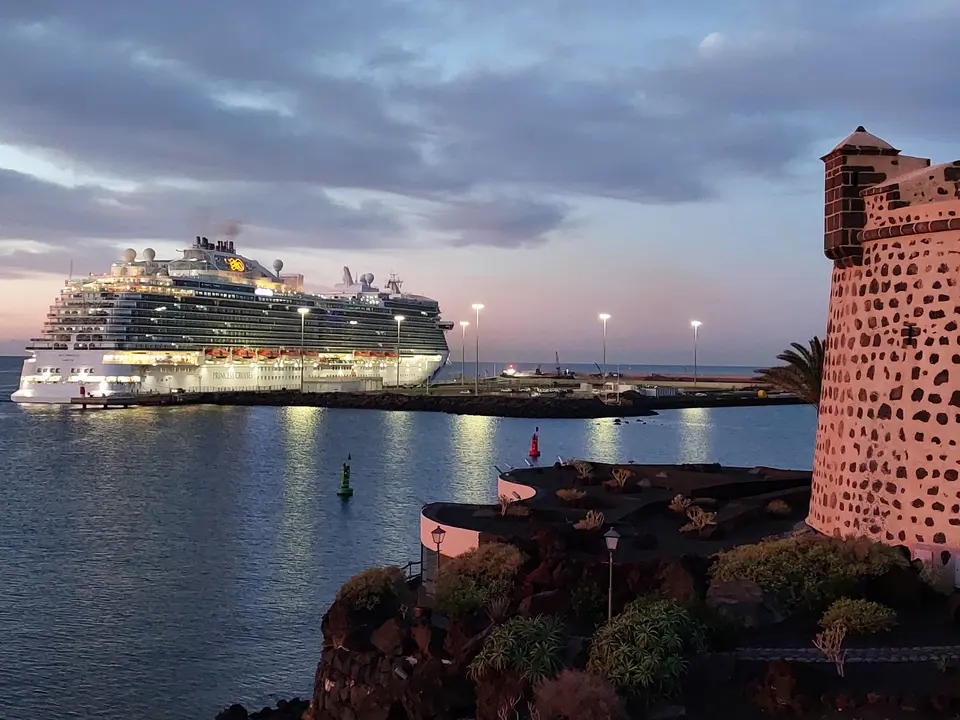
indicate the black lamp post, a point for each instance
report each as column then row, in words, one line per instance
column 612, row 539
column 438, row 534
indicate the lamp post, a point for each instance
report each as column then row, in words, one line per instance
column 695, row 324
column 303, row 321
column 437, row 534
column 399, row 319
column 463, row 350
column 476, row 385
column 611, row 538
column 603, row 318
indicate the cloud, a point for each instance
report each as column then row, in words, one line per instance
column 374, row 124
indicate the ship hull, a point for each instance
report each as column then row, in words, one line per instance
column 59, row 378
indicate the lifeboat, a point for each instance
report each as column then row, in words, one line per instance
column 218, row 352
column 245, row 353
column 268, row 353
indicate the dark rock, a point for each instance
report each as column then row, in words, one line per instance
column 743, row 602
column 388, row 638
column 676, row 582
column 234, row 712
column 551, row 602
column 899, row 587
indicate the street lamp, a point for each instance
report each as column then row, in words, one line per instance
column 437, row 534
column 695, row 324
column 476, row 386
column 463, row 349
column 603, row 318
column 399, row 319
column 612, row 538
column 303, row 320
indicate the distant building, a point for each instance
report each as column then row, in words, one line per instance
column 887, row 462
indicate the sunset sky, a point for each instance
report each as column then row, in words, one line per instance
column 552, row 159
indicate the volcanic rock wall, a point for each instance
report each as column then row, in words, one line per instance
column 887, row 463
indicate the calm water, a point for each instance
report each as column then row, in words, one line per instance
column 162, row 563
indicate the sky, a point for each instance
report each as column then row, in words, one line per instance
column 551, row 159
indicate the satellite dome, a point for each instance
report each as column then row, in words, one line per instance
column 149, row 254
column 129, row 255
column 278, row 265
column 367, row 278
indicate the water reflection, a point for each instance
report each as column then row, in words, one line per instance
column 472, row 440
column 603, row 441
column 695, row 435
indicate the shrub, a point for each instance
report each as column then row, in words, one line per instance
column 367, row 589
column 593, row 521
column 577, row 695
column 642, row 651
column 780, row 508
column 469, row 582
column 808, row 571
column 699, row 519
column 937, row 578
column 858, row 617
column 830, row 643
column 621, row 476
column 517, row 509
column 680, row 504
column 530, row 648
column 588, row 603
column 571, row 495
column 583, row 468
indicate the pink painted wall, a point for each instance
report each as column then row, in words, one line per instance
column 505, row 487
column 887, row 459
column 456, row 542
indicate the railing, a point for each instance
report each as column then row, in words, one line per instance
column 409, row 573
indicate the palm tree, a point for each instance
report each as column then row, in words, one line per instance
column 802, row 373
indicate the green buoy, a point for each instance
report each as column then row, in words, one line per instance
column 345, row 491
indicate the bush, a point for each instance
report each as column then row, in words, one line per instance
column 642, row 651
column 570, row 495
column 859, row 617
column 592, row 521
column 367, row 589
column 530, row 648
column 588, row 603
column 807, row 572
column 469, row 582
column 780, row 508
column 577, row 695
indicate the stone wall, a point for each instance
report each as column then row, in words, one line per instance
column 887, row 461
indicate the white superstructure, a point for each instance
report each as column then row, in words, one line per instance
column 215, row 320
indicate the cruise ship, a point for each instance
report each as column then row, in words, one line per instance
column 215, row 320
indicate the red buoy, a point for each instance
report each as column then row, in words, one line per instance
column 535, row 444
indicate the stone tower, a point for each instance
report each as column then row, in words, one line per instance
column 887, row 463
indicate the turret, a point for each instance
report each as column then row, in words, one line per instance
column 858, row 162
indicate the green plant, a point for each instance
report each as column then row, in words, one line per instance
column 517, row 509
column 680, row 504
column 592, row 521
column 779, row 507
column 802, row 372
column 830, row 643
column 498, row 608
column 528, row 647
column 621, row 476
column 571, row 495
column 807, row 571
column 699, row 519
column 588, row 603
column 469, row 582
column 643, row 650
column 367, row 589
column 858, row 617
column 937, row 578
column 577, row 695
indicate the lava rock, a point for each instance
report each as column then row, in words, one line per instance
column 743, row 602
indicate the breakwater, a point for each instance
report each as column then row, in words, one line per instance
column 632, row 404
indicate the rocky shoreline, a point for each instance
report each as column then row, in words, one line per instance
column 633, row 404
column 292, row 709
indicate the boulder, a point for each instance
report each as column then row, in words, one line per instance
column 743, row 602
column 234, row 712
column 389, row 638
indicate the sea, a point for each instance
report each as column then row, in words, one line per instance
column 164, row 563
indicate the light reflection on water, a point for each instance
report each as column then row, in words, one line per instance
column 165, row 562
